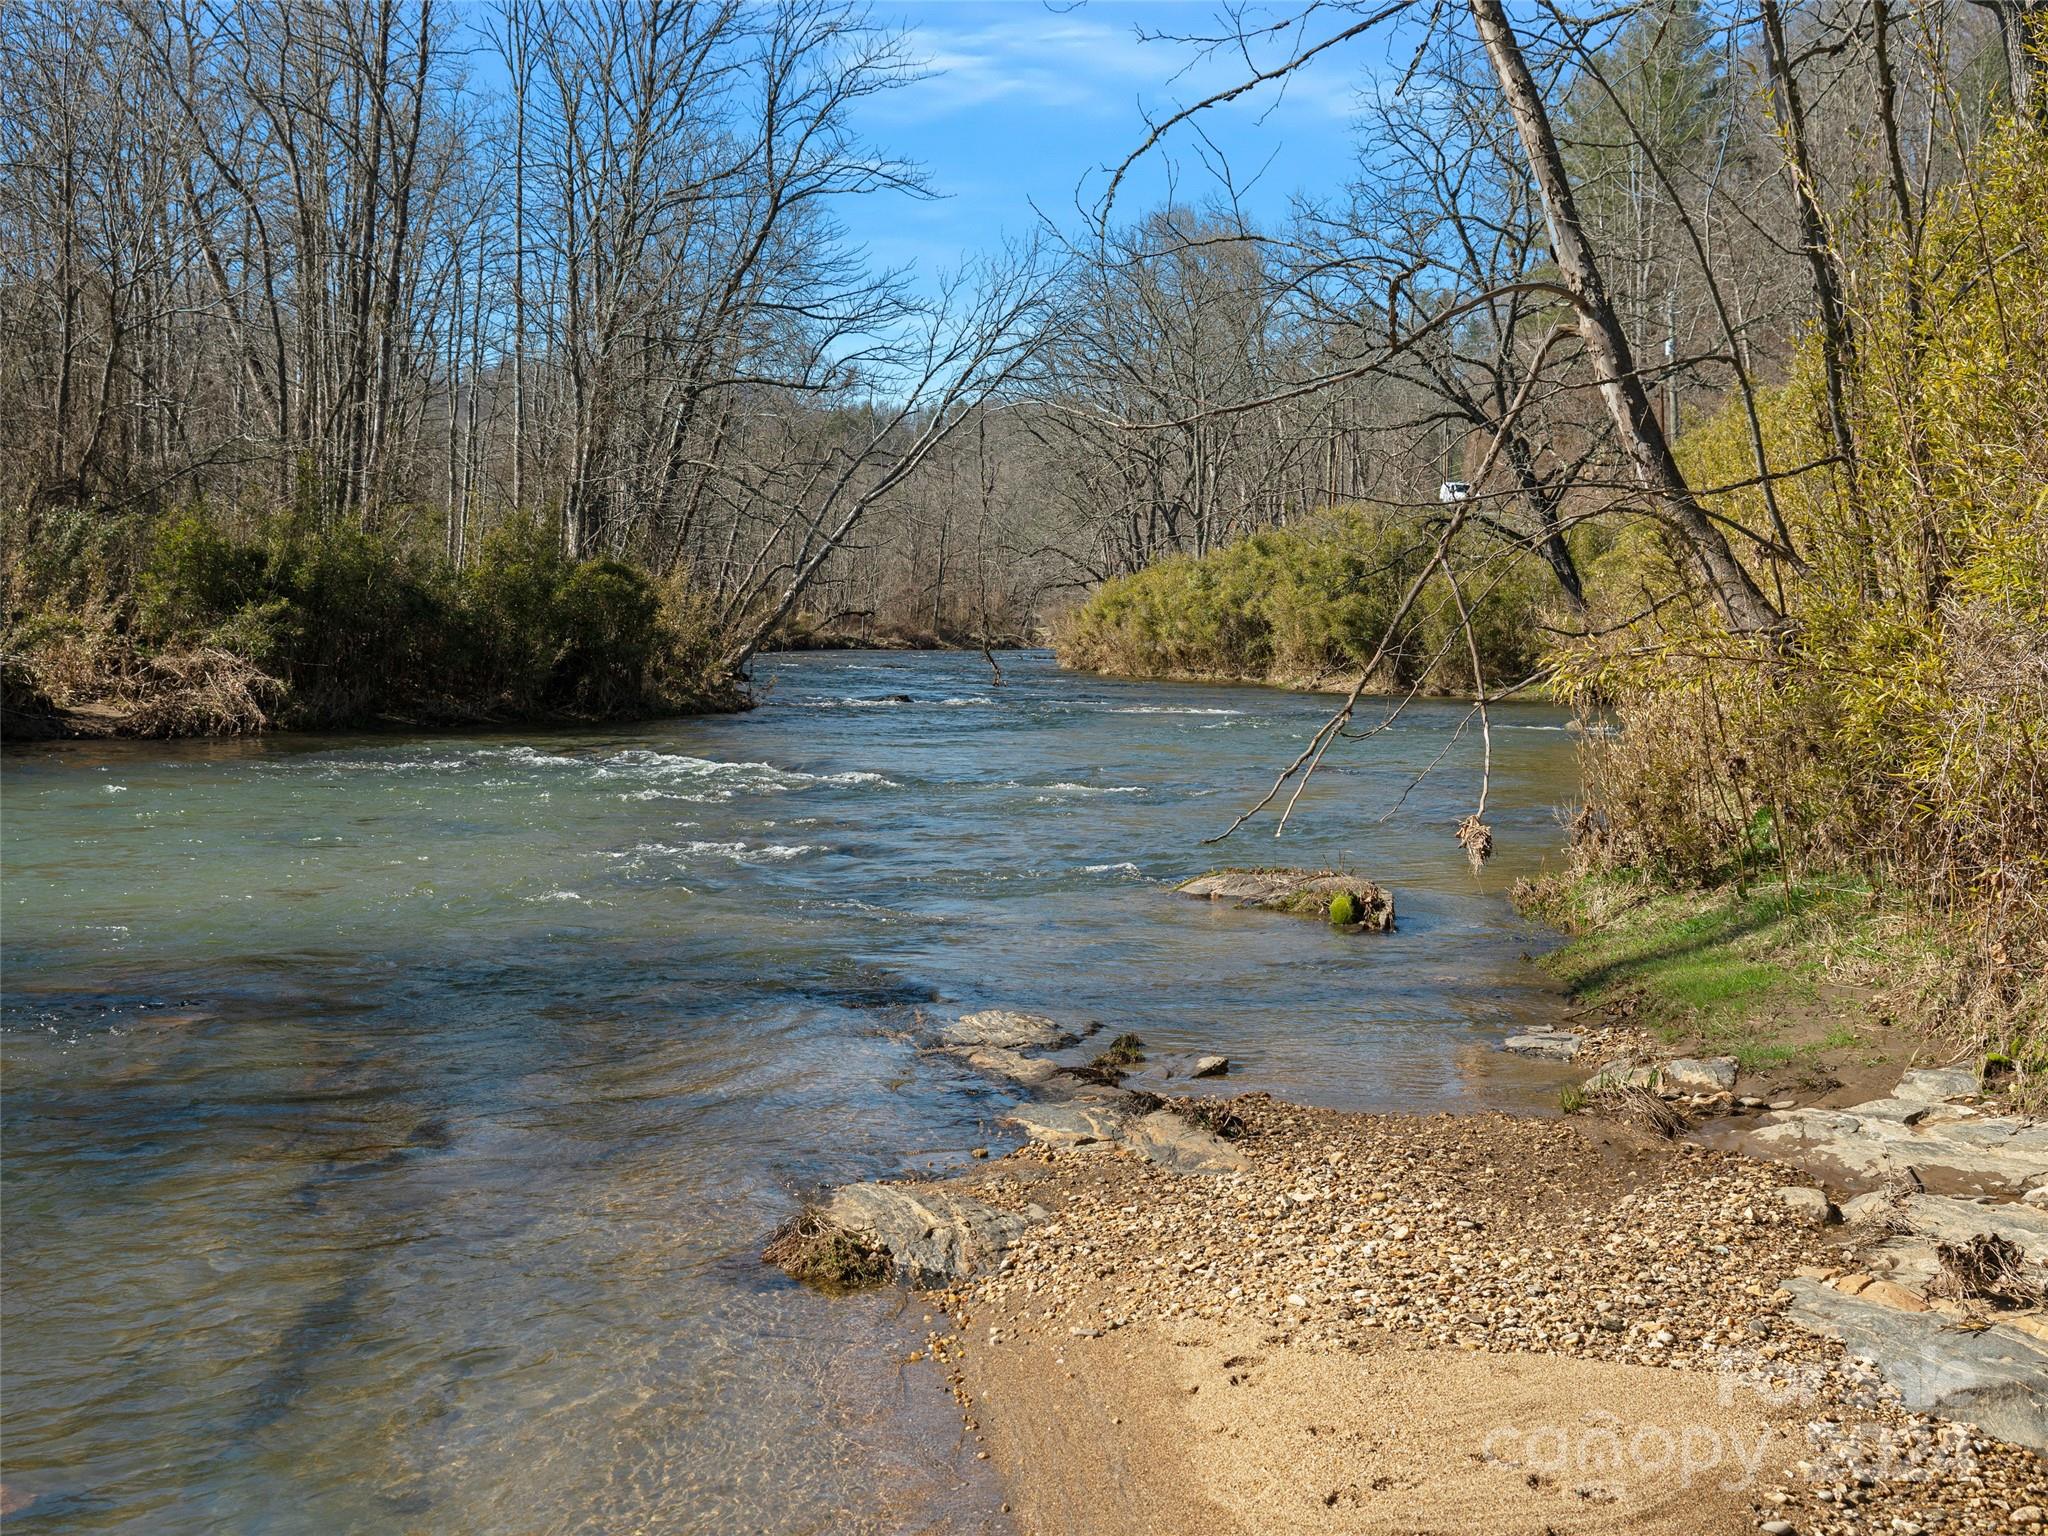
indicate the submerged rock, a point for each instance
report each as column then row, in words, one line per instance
column 1303, row 892
column 934, row 1235
column 1030, row 1071
column 1005, row 1030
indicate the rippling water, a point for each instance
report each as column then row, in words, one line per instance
column 391, row 1122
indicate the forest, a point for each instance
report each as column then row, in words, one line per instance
column 378, row 362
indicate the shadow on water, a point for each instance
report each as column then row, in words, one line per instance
column 323, row 1325
column 430, row 1135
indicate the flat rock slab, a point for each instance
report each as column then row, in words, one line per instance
column 1304, row 892
column 1995, row 1378
column 1160, row 1136
column 2001, row 1154
column 1935, row 1084
column 1071, row 1123
column 1174, row 1143
column 1549, row 1044
column 998, row 1061
column 934, row 1235
column 1161, row 1071
column 1005, row 1030
column 1909, row 1255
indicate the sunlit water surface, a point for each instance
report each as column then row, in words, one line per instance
column 392, row 1122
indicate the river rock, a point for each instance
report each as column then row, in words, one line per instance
column 1808, row 1207
column 1937, row 1084
column 1692, row 1074
column 1873, row 1205
column 1304, row 892
column 1549, row 1044
column 1211, row 1066
column 1174, row 1143
column 1029, row 1071
column 1888, row 1136
column 1001, row 1028
column 1908, row 1256
column 1620, row 1075
column 1160, row 1136
column 1995, row 1378
column 934, row 1236
column 1072, row 1122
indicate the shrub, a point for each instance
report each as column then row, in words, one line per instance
column 191, row 625
column 1899, row 734
column 1305, row 604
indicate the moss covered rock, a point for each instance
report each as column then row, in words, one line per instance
column 1302, row 892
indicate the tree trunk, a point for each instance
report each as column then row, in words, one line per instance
column 1836, row 340
column 1741, row 601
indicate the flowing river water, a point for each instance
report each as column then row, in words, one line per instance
column 392, row 1122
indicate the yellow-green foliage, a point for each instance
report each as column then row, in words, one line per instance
column 1306, row 603
column 1905, row 728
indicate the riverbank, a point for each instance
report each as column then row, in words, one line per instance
column 1684, row 1308
column 1824, row 990
column 1452, row 1323
column 1305, row 606
column 868, row 635
column 195, row 624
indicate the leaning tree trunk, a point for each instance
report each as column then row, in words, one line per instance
column 1741, row 601
column 1838, row 347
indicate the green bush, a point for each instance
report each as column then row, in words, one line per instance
column 1895, row 737
column 354, row 627
column 1306, row 604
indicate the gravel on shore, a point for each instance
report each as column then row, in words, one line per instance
column 1562, row 1240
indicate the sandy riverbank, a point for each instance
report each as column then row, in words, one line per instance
column 1451, row 1324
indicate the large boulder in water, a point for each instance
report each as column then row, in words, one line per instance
column 933, row 1235
column 1303, row 892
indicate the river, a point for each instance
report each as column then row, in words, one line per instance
column 392, row 1122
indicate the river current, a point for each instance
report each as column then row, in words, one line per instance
column 392, row 1122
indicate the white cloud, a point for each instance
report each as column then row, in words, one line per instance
column 1092, row 60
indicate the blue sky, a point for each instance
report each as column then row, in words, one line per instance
column 1028, row 101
